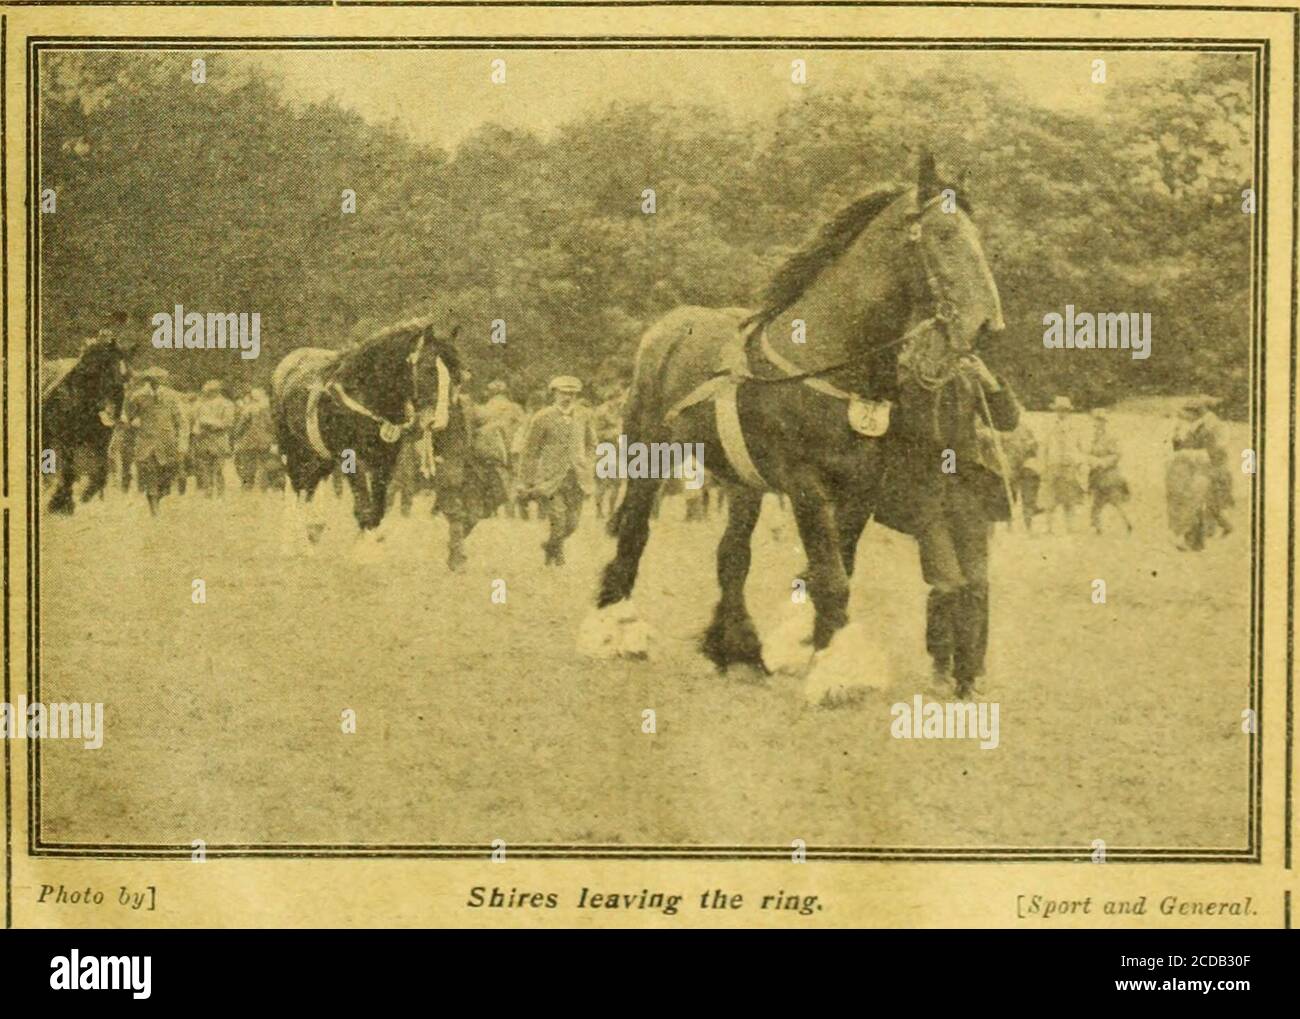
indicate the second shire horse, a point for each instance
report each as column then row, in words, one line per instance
column 351, row 409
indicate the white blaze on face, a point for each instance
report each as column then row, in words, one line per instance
column 436, row 417
column 961, row 274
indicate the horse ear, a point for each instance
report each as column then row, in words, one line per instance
column 927, row 177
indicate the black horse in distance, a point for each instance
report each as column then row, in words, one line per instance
column 81, row 400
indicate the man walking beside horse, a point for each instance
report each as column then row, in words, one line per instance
column 947, row 485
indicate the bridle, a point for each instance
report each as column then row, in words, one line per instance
column 943, row 313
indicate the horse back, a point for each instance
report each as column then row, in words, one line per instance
column 685, row 348
column 299, row 370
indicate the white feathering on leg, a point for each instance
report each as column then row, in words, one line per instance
column 789, row 649
column 616, row 631
column 852, row 664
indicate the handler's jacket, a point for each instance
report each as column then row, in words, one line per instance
column 158, row 422
column 928, row 424
column 1206, row 433
column 1064, row 455
column 555, row 444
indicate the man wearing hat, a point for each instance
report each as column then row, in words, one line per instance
column 1063, row 460
column 1106, row 482
column 1204, row 430
column 160, row 435
column 214, row 417
column 557, row 462
column 498, row 420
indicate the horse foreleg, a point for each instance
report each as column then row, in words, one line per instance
column 98, row 475
column 731, row 637
column 851, row 517
column 360, row 496
column 846, row 662
column 378, row 499
column 630, row 522
column 828, row 582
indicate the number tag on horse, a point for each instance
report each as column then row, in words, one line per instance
column 390, row 432
column 869, row 417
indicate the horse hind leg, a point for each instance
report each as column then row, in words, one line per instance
column 303, row 522
column 731, row 638
column 62, row 501
column 846, row 661
column 613, row 628
column 630, row 523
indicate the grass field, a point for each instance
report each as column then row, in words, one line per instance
column 476, row 720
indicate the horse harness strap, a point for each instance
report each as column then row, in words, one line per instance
column 389, row 431
column 313, row 423
column 869, row 418
column 732, row 435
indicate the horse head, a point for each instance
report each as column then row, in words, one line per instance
column 436, row 376
column 951, row 288
column 101, row 373
column 899, row 266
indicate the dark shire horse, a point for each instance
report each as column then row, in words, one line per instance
column 81, row 400
column 351, row 409
column 794, row 399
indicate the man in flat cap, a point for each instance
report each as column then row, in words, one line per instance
column 161, row 434
column 557, row 462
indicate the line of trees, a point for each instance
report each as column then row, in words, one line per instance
column 229, row 197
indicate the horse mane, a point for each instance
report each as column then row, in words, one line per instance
column 790, row 281
column 401, row 334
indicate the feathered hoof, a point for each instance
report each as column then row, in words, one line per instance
column 843, row 672
column 615, row 631
column 789, row 650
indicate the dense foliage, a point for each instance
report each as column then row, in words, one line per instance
column 226, row 197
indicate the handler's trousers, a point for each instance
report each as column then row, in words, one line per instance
column 954, row 544
column 563, row 508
